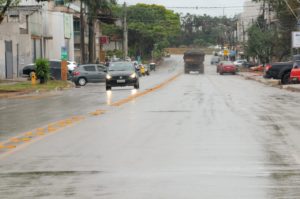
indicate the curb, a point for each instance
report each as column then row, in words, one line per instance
column 271, row 82
column 16, row 94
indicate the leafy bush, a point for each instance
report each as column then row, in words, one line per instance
column 42, row 70
column 117, row 53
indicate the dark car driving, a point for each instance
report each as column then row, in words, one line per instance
column 121, row 74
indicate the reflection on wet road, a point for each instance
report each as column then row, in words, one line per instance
column 201, row 136
column 25, row 113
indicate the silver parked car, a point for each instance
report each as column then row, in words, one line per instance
column 92, row 73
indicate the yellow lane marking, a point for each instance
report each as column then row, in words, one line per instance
column 26, row 139
column 98, row 112
column 29, row 134
column 10, row 146
column 16, row 143
column 133, row 97
column 15, row 140
column 40, row 133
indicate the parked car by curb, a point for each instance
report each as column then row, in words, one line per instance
column 295, row 73
column 55, row 69
column 279, row 70
column 226, row 67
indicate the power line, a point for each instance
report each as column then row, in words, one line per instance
column 208, row 7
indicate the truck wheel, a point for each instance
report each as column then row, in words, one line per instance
column 186, row 71
column 286, row 78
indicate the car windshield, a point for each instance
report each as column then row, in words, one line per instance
column 227, row 63
column 121, row 66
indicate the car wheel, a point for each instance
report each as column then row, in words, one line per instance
column 286, row 78
column 81, row 81
column 137, row 86
column 234, row 73
column 108, row 88
column 221, row 73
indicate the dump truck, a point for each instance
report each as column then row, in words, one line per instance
column 193, row 61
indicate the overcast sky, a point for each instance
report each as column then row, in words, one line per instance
column 232, row 7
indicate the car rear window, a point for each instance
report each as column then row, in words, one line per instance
column 89, row 68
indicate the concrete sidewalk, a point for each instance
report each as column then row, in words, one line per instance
column 270, row 82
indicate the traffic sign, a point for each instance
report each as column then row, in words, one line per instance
column 64, row 53
column 226, row 52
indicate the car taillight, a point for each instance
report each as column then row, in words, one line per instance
column 268, row 67
column 76, row 73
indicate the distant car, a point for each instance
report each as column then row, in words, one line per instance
column 215, row 60
column 93, row 73
column 121, row 74
column 55, row 70
column 152, row 66
column 240, row 62
column 72, row 65
column 227, row 67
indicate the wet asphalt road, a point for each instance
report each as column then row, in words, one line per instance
column 24, row 113
column 201, row 136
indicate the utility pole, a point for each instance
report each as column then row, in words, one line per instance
column 82, row 42
column 125, row 32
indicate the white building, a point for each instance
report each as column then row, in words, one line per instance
column 246, row 19
column 33, row 30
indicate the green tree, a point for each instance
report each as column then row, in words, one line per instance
column 93, row 9
column 285, row 23
column 206, row 30
column 260, row 43
column 151, row 26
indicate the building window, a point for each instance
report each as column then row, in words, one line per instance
column 59, row 2
column 76, row 25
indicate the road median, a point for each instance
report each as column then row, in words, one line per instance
column 14, row 89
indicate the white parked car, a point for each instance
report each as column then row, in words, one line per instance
column 72, row 65
column 240, row 62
